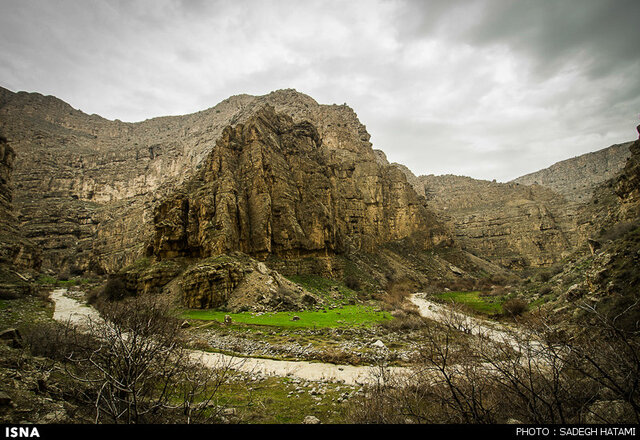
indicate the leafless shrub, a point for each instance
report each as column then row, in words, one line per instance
column 514, row 307
column 404, row 322
column 138, row 370
column 56, row 341
column 534, row 376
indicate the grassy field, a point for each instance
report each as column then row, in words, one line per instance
column 350, row 315
column 483, row 304
column 276, row 400
column 24, row 312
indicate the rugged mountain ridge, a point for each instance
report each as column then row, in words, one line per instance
column 535, row 220
column 578, row 177
column 80, row 176
column 271, row 186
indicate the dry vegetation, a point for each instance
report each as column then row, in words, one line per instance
column 133, row 367
column 593, row 378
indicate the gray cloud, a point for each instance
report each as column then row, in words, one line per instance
column 487, row 88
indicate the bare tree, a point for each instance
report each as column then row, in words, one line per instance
column 139, row 369
column 533, row 375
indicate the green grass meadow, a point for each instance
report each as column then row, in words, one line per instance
column 474, row 300
column 349, row 315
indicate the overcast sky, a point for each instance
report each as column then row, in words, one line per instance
column 488, row 88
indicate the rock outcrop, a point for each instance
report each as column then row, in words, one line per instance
column 272, row 186
column 509, row 224
column 240, row 284
column 578, row 177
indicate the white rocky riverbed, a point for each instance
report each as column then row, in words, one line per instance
column 69, row 309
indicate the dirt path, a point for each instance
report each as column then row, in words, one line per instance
column 68, row 309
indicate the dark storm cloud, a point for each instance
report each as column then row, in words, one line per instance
column 552, row 32
column 604, row 34
column 487, row 88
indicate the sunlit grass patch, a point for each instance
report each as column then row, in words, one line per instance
column 473, row 300
column 350, row 315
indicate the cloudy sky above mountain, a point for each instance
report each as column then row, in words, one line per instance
column 487, row 88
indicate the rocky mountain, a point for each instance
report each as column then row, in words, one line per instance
column 273, row 187
column 85, row 187
column 576, row 178
column 513, row 225
column 535, row 220
column 278, row 177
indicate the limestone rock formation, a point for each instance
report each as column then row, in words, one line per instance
column 234, row 282
column 16, row 252
column 509, row 224
column 537, row 219
column 271, row 186
column 238, row 284
column 576, row 178
column 86, row 187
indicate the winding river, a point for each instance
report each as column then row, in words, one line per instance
column 79, row 314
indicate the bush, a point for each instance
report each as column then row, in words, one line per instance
column 64, row 275
column 57, row 341
column 545, row 290
column 352, row 283
column 573, row 379
column 515, row 307
column 139, row 370
column 544, row 276
column 114, row 290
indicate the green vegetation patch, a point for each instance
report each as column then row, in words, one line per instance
column 474, row 300
column 333, row 292
column 24, row 312
column 280, row 400
column 350, row 315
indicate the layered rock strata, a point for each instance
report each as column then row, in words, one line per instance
column 86, row 187
column 578, row 177
column 512, row 225
column 272, row 186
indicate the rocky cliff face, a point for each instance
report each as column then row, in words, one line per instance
column 273, row 186
column 16, row 251
column 86, row 187
column 7, row 156
column 510, row 224
column 617, row 200
column 18, row 256
column 278, row 177
column 540, row 218
column 577, row 178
